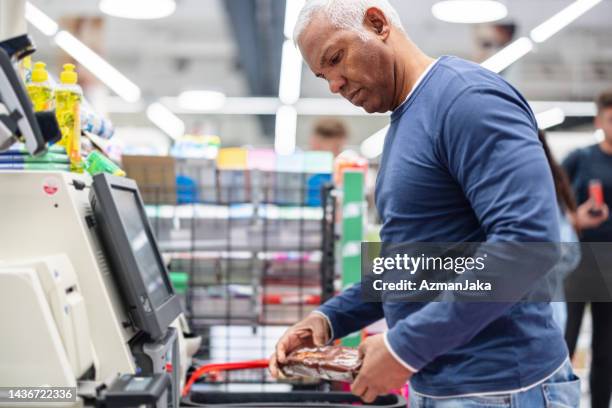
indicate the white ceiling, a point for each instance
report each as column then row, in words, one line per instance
column 195, row 49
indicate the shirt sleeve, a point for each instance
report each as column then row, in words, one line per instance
column 488, row 141
column 347, row 312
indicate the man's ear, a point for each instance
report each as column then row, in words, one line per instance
column 597, row 121
column 376, row 21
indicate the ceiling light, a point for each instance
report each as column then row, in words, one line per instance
column 202, row 101
column 372, row 147
column 550, row 118
column 116, row 104
column 326, row 106
column 469, row 11
column 560, row 20
column 138, row 9
column 40, row 20
column 574, row 109
column 330, row 107
column 105, row 72
column 255, row 105
column 167, row 121
column 292, row 11
column 291, row 74
column 286, row 129
column 509, row 55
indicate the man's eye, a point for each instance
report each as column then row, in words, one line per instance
column 336, row 58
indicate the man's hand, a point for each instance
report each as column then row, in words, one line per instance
column 587, row 219
column 313, row 331
column 380, row 372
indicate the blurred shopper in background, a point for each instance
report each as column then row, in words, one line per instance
column 584, row 167
column 572, row 219
column 329, row 135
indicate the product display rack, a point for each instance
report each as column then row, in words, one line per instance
column 258, row 255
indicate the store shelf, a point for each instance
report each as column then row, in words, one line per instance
column 246, row 265
column 204, row 245
column 234, row 211
column 304, row 255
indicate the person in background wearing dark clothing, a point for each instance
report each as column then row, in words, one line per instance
column 329, row 135
column 584, row 167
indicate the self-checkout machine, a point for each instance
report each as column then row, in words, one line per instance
column 85, row 298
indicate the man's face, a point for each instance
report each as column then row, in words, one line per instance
column 604, row 121
column 361, row 71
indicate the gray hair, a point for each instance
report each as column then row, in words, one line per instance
column 344, row 14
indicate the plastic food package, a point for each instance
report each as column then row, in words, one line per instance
column 333, row 363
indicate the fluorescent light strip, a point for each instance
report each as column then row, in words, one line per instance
column 330, row 106
column 40, row 20
column 286, row 130
column 521, row 47
column 372, row 147
column 562, row 19
column 292, row 11
column 105, row 72
column 167, row 121
column 138, row 9
column 202, row 101
column 115, row 104
column 232, row 106
column 469, row 11
column 509, row 55
column 550, row 118
column 316, row 107
column 291, row 74
column 570, row 109
column 268, row 106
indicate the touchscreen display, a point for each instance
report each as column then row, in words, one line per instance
column 151, row 271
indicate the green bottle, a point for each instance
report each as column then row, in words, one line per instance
column 97, row 163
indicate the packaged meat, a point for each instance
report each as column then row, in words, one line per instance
column 333, row 363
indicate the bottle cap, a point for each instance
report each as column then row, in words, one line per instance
column 39, row 73
column 68, row 76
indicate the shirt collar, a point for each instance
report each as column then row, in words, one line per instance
column 417, row 83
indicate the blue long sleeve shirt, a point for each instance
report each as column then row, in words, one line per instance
column 462, row 163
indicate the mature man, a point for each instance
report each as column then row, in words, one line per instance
column 461, row 163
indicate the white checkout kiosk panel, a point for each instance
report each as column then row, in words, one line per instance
column 48, row 341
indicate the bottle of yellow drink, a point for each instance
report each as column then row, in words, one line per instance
column 68, row 96
column 25, row 69
column 39, row 88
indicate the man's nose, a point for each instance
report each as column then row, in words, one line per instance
column 336, row 84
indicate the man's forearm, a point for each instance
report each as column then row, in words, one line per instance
column 348, row 313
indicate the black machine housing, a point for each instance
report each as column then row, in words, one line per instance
column 152, row 304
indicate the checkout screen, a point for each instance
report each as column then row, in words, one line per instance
column 140, row 240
